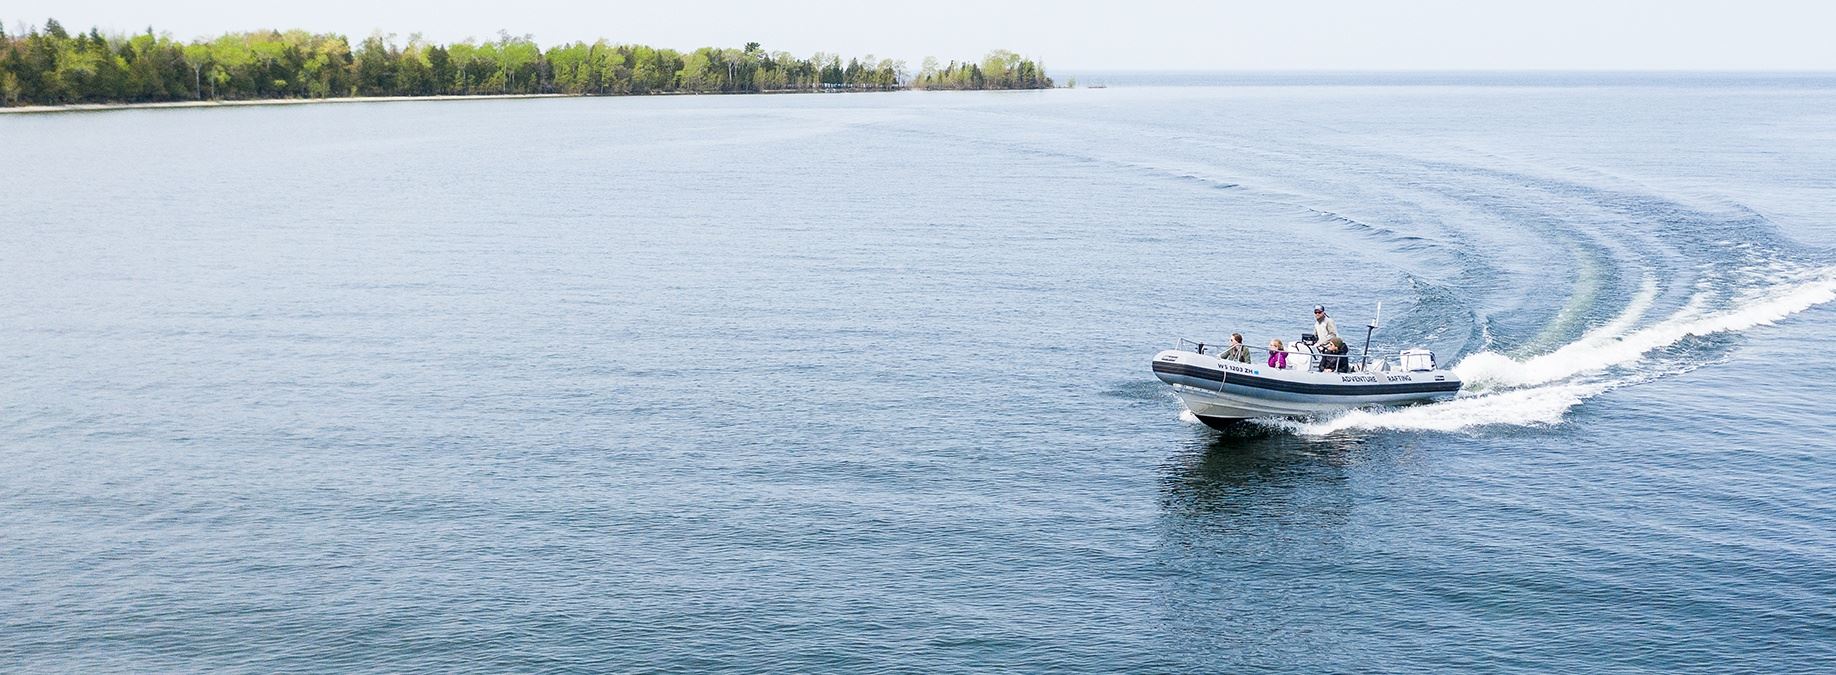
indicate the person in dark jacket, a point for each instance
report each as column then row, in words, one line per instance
column 1335, row 360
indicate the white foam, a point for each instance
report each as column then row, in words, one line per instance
column 1600, row 350
column 1523, row 407
column 1540, row 390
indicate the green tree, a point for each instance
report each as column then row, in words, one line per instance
column 376, row 66
column 440, row 69
column 197, row 57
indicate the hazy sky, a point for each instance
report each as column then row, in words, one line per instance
column 1139, row 34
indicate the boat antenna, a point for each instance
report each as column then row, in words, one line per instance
column 1368, row 329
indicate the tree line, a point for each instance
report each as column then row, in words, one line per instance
column 52, row 66
column 1001, row 69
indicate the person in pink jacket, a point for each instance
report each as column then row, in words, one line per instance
column 1277, row 357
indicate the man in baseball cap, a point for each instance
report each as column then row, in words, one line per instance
column 1323, row 325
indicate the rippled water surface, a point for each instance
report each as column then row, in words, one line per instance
column 860, row 382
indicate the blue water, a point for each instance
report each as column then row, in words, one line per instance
column 860, row 382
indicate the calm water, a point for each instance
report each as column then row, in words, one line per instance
column 860, row 382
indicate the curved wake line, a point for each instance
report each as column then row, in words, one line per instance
column 1602, row 350
column 1589, row 283
column 1635, row 310
column 1539, row 391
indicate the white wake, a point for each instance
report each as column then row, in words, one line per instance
column 1540, row 390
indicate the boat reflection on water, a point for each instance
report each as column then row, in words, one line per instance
column 1253, row 527
column 1254, row 472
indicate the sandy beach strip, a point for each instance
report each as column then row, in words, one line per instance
column 88, row 107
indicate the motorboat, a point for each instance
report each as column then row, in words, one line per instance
column 1223, row 393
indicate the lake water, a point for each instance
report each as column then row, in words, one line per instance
column 860, row 382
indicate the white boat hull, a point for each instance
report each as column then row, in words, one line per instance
column 1223, row 392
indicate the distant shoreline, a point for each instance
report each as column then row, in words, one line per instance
column 92, row 107
column 97, row 107
column 57, row 70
